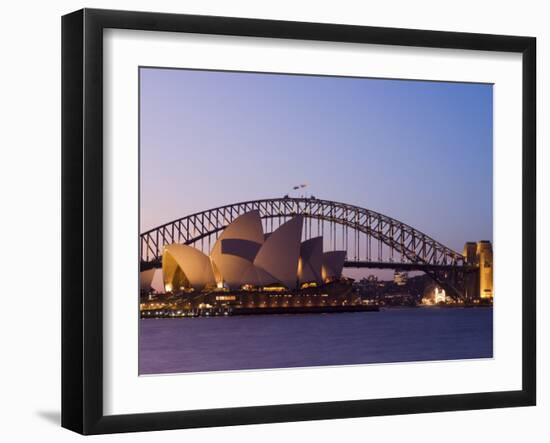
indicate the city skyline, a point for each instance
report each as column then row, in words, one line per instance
column 417, row 151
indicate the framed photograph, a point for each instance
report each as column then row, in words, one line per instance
column 268, row 221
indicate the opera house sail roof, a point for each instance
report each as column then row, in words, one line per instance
column 245, row 256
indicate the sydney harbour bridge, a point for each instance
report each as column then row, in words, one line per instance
column 370, row 239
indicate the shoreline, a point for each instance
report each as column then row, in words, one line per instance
column 166, row 313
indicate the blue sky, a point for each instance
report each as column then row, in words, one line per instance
column 418, row 151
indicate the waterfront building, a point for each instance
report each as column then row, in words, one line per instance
column 440, row 296
column 245, row 258
column 249, row 271
column 400, row 278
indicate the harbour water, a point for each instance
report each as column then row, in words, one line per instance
column 295, row 340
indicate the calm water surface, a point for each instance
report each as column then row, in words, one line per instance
column 285, row 341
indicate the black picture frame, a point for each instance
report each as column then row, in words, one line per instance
column 82, row 218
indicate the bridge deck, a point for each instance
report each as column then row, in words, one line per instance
column 367, row 265
column 406, row 266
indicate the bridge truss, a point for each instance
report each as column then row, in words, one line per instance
column 371, row 239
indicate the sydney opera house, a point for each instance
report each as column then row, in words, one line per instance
column 243, row 256
column 249, row 268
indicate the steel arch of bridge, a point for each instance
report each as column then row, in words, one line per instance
column 412, row 246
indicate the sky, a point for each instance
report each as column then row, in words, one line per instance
column 417, row 151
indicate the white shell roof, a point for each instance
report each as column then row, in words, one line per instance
column 244, row 255
column 236, row 248
column 146, row 278
column 195, row 265
column 333, row 263
column 311, row 260
column 280, row 252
